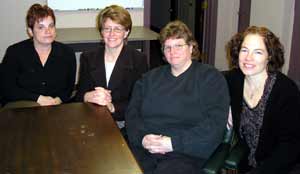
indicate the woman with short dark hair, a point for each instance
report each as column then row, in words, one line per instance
column 38, row 71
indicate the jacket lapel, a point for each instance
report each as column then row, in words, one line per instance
column 122, row 67
column 236, row 86
column 98, row 68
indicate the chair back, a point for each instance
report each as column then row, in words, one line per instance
column 216, row 161
column 228, row 135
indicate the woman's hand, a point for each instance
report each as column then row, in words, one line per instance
column 98, row 96
column 48, row 101
column 57, row 100
column 111, row 107
column 157, row 143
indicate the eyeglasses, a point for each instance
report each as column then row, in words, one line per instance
column 117, row 30
column 177, row 47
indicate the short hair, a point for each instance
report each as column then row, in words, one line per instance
column 117, row 14
column 274, row 47
column 38, row 12
column 179, row 30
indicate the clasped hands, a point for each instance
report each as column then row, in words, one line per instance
column 100, row 96
column 157, row 144
column 48, row 100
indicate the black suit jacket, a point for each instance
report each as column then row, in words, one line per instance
column 279, row 137
column 25, row 78
column 129, row 67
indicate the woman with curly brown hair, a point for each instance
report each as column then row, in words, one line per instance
column 264, row 102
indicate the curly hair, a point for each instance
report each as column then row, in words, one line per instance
column 178, row 30
column 274, row 47
column 38, row 12
column 117, row 14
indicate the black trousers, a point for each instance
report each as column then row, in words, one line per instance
column 170, row 163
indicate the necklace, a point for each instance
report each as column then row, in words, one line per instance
column 254, row 90
column 251, row 95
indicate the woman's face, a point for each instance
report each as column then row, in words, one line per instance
column 177, row 52
column 43, row 32
column 253, row 56
column 113, row 34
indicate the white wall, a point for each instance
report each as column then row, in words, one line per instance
column 71, row 19
column 226, row 28
column 13, row 27
column 278, row 16
column 12, row 17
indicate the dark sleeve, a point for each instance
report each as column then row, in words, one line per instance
column 11, row 91
column 202, row 139
column 140, row 66
column 66, row 92
column 85, row 83
column 135, row 126
column 287, row 151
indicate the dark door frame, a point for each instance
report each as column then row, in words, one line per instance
column 244, row 15
column 294, row 70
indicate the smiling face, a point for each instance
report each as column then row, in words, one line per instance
column 253, row 56
column 178, row 53
column 113, row 34
column 43, row 32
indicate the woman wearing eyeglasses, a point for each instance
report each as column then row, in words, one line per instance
column 107, row 74
column 178, row 112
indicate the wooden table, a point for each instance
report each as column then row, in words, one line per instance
column 76, row 138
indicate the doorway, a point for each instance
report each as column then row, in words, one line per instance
column 162, row 12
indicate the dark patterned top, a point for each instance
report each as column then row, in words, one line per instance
column 252, row 120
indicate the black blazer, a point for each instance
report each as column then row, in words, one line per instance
column 25, row 78
column 278, row 144
column 130, row 66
